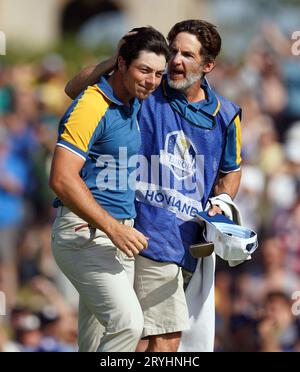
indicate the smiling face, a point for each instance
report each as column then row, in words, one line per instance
column 186, row 66
column 143, row 75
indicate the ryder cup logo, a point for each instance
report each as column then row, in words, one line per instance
column 179, row 155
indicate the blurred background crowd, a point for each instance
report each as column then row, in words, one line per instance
column 254, row 301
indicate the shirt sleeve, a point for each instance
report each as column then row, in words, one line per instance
column 80, row 125
column 232, row 158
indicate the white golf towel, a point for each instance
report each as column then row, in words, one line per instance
column 201, row 304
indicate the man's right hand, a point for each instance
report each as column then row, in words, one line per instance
column 128, row 239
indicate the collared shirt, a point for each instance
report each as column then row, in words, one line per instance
column 104, row 132
column 206, row 109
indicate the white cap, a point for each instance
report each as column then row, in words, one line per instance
column 233, row 243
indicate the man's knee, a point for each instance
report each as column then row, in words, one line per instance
column 122, row 339
column 132, row 324
column 143, row 345
column 136, row 326
column 164, row 343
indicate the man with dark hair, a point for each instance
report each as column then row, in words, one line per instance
column 206, row 33
column 130, row 51
column 191, row 137
column 93, row 238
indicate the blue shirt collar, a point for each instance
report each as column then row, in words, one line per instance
column 107, row 90
column 210, row 106
column 202, row 113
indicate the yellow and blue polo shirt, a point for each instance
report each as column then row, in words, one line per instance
column 104, row 132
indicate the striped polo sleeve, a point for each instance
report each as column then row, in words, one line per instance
column 232, row 158
column 79, row 127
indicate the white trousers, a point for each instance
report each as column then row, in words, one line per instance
column 110, row 318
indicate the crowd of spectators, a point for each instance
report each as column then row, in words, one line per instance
column 255, row 302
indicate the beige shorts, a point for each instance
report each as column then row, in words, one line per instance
column 159, row 288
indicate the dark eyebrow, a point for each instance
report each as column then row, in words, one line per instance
column 149, row 68
column 173, row 49
column 145, row 66
column 188, row 52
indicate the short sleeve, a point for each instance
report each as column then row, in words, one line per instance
column 231, row 160
column 80, row 125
